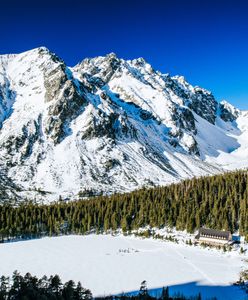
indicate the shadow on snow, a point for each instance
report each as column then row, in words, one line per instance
column 188, row 289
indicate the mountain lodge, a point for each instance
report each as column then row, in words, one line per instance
column 213, row 237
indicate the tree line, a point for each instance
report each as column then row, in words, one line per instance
column 219, row 202
column 30, row 287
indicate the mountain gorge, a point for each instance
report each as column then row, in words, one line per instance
column 107, row 125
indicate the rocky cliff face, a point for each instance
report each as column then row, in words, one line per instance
column 105, row 125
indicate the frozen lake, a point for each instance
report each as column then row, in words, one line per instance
column 111, row 265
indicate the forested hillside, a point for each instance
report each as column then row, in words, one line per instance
column 217, row 201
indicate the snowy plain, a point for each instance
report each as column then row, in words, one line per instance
column 114, row 264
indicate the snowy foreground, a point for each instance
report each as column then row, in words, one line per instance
column 112, row 265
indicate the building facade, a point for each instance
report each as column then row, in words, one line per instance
column 213, row 237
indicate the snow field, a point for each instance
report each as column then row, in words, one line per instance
column 110, row 265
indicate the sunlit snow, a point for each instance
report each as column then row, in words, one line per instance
column 112, row 265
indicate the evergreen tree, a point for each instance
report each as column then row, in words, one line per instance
column 143, row 292
column 219, row 202
column 165, row 293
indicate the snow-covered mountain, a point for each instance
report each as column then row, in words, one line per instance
column 107, row 125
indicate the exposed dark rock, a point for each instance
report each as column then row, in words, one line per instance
column 54, row 82
column 67, row 106
column 111, row 163
column 204, row 105
column 228, row 113
column 99, row 76
column 146, row 115
column 199, row 100
column 186, row 120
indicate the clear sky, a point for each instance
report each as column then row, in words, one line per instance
column 206, row 41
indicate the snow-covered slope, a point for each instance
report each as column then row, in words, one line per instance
column 107, row 125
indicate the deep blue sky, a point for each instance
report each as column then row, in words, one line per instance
column 206, row 41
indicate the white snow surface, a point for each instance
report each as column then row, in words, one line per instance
column 114, row 264
column 235, row 156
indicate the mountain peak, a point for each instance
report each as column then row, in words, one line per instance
column 106, row 125
column 111, row 55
